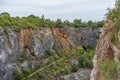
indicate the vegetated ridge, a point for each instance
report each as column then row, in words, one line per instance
column 107, row 58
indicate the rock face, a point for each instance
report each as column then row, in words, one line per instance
column 80, row 75
column 29, row 42
column 107, row 55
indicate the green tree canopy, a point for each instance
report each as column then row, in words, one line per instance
column 4, row 14
column 33, row 21
column 77, row 22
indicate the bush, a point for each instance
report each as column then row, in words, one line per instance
column 74, row 68
column 17, row 75
column 48, row 53
column 108, row 70
column 22, row 57
column 40, row 75
column 85, row 57
column 86, row 78
column 26, row 72
column 33, row 53
column 56, row 57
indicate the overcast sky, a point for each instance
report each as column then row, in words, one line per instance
column 53, row 9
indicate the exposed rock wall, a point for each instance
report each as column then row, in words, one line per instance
column 106, row 50
column 82, row 74
column 15, row 43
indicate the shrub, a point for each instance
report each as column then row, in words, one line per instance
column 108, row 70
column 88, row 78
column 22, row 57
column 17, row 75
column 74, row 68
column 40, row 75
column 56, row 57
column 48, row 53
column 26, row 72
column 33, row 53
column 85, row 57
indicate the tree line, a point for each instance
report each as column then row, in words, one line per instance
column 33, row 21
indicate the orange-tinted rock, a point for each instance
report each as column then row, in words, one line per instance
column 106, row 50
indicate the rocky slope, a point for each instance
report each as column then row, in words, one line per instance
column 80, row 75
column 106, row 59
column 26, row 43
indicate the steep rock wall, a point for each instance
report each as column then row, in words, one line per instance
column 106, row 60
column 26, row 43
column 82, row 74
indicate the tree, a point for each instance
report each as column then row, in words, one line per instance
column 43, row 20
column 66, row 22
column 59, row 23
column 90, row 22
column 49, row 23
column 33, row 21
column 5, row 14
column 100, row 23
column 77, row 22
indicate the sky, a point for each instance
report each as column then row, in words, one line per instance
column 64, row 9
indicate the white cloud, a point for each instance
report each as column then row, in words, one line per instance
column 65, row 9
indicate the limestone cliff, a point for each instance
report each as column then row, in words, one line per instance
column 107, row 57
column 26, row 43
column 83, row 74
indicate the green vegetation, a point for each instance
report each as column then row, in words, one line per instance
column 22, row 57
column 17, row 75
column 34, row 22
column 26, row 71
column 58, row 64
column 108, row 70
column 114, row 15
column 49, row 53
column 74, row 68
column 87, row 78
column 33, row 53
column 86, row 57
